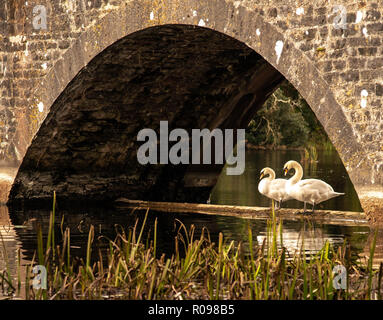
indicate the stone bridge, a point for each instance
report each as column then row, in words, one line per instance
column 79, row 79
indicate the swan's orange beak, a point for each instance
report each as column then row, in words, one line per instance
column 285, row 170
column 262, row 174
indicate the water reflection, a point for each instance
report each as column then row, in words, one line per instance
column 378, row 254
column 8, row 241
column 312, row 238
column 22, row 232
column 19, row 231
column 243, row 189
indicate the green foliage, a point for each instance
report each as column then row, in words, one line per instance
column 200, row 269
column 286, row 119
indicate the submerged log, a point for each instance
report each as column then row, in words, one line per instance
column 324, row 216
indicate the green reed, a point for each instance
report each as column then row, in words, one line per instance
column 198, row 269
column 6, row 282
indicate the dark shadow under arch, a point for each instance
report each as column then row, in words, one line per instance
column 191, row 77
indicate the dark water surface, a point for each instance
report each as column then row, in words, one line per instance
column 18, row 228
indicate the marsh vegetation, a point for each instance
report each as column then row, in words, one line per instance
column 199, row 268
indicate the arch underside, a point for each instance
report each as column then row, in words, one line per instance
column 62, row 91
column 86, row 149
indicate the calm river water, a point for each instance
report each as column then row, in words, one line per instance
column 18, row 229
column 243, row 190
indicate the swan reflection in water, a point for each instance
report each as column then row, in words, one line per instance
column 309, row 240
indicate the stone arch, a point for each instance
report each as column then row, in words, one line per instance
column 244, row 25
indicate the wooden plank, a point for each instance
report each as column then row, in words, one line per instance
column 325, row 216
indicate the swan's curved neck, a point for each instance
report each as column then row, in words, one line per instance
column 298, row 173
column 271, row 175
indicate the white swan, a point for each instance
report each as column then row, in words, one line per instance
column 313, row 191
column 273, row 188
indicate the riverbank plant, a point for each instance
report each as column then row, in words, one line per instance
column 199, row 268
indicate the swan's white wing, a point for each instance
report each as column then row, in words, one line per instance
column 278, row 190
column 315, row 184
column 315, row 190
column 278, row 183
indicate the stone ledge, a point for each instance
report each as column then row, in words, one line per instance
column 371, row 200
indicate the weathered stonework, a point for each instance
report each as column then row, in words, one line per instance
column 46, row 104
